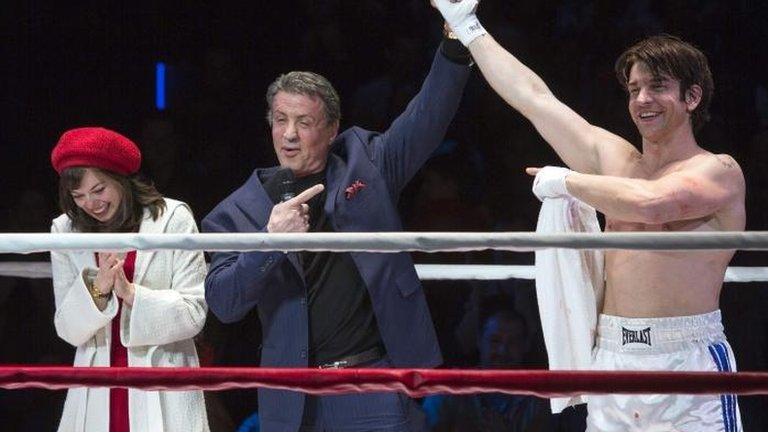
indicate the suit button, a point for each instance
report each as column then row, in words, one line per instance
column 266, row 264
column 303, row 301
column 303, row 353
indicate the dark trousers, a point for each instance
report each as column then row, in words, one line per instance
column 386, row 411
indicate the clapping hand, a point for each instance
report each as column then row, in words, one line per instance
column 123, row 288
column 109, row 263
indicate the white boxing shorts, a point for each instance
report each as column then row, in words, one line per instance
column 687, row 343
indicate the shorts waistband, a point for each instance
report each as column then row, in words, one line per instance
column 657, row 335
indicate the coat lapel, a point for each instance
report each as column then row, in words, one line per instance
column 148, row 226
column 85, row 259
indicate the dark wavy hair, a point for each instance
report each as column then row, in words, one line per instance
column 308, row 84
column 668, row 55
column 137, row 193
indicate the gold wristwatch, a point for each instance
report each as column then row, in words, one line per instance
column 89, row 277
column 447, row 32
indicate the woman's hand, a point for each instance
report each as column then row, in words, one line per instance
column 123, row 288
column 109, row 263
column 104, row 281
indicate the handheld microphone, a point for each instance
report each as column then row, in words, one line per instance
column 286, row 183
column 287, row 188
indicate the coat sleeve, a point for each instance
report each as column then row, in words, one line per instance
column 77, row 319
column 163, row 315
column 237, row 281
column 418, row 131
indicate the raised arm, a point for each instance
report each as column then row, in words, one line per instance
column 418, row 131
column 582, row 146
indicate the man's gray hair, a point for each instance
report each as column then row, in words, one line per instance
column 309, row 84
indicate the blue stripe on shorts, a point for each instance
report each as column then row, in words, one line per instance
column 720, row 356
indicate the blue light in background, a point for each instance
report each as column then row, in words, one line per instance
column 160, row 86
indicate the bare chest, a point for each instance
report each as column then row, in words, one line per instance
column 702, row 224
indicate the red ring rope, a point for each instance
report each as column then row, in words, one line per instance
column 415, row 382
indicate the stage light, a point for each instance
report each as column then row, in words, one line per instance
column 160, row 86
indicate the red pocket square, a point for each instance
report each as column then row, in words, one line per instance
column 352, row 189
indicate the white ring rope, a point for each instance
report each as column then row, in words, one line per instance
column 42, row 270
column 384, row 242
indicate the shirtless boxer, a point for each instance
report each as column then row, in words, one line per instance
column 661, row 308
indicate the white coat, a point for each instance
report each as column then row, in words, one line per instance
column 168, row 311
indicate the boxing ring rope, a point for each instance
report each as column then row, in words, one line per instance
column 477, row 272
column 415, row 382
column 387, row 242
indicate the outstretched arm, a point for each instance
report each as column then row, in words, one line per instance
column 714, row 183
column 582, row 146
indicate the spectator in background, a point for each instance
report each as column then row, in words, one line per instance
column 504, row 342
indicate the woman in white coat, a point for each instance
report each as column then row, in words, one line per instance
column 139, row 310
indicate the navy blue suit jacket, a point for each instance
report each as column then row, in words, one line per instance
column 273, row 281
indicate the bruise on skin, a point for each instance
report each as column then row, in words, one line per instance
column 689, row 187
column 680, row 197
column 727, row 161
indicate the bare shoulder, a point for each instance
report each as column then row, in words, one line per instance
column 726, row 161
column 722, row 167
column 725, row 179
column 718, row 181
column 728, row 173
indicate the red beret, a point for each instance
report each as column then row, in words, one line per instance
column 96, row 147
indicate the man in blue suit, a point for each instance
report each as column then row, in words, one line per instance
column 335, row 309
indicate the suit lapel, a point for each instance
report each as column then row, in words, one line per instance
column 293, row 257
column 334, row 175
column 255, row 203
column 257, row 206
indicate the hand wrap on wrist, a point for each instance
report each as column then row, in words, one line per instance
column 550, row 182
column 460, row 16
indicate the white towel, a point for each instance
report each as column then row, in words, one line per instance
column 569, row 287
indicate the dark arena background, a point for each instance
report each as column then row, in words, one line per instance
column 186, row 81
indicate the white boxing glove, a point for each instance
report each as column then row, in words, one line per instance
column 550, row 182
column 460, row 16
